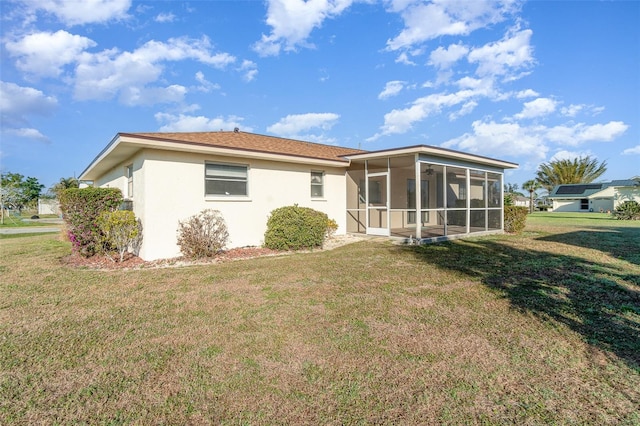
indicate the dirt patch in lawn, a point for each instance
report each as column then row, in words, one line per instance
column 132, row 261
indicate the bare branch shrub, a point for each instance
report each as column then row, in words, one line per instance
column 203, row 235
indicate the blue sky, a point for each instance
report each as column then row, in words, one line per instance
column 526, row 82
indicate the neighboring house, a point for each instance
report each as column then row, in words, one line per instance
column 594, row 197
column 168, row 177
column 48, row 206
column 521, row 201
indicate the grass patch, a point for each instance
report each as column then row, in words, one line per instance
column 25, row 234
column 538, row 328
column 17, row 222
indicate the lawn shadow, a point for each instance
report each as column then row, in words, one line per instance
column 622, row 243
column 601, row 302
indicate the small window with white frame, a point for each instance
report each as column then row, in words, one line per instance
column 129, row 174
column 317, row 184
column 224, row 180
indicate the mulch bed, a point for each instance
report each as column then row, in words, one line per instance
column 134, row 262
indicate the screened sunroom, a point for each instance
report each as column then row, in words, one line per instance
column 424, row 193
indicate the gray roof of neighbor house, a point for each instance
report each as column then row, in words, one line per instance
column 584, row 190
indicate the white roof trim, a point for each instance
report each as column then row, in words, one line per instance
column 441, row 152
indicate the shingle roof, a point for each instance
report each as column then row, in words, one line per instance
column 254, row 142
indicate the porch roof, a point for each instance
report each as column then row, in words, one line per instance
column 432, row 151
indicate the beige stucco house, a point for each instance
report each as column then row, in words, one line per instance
column 418, row 192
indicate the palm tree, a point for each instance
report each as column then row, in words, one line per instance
column 65, row 183
column 532, row 186
column 578, row 170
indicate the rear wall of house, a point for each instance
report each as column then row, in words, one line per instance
column 566, row 206
column 170, row 187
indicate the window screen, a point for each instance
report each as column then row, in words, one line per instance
column 225, row 179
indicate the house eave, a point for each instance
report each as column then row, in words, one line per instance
column 123, row 146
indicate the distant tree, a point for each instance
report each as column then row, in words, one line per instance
column 510, row 187
column 31, row 190
column 532, row 186
column 65, row 183
column 18, row 192
column 578, row 170
column 9, row 194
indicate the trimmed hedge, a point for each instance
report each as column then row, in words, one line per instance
column 515, row 219
column 295, row 228
column 81, row 209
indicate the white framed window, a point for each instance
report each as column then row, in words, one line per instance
column 223, row 179
column 317, row 184
column 129, row 174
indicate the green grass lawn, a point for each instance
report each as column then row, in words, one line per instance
column 542, row 327
column 18, row 222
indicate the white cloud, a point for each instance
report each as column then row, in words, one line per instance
column 132, row 96
column 296, row 124
column 402, row 120
column 292, row 21
column 537, row 108
column 105, row 74
column 17, row 104
column 205, row 85
column 466, row 109
column 580, row 133
column 482, row 86
column 572, row 110
column 165, row 17
column 26, row 133
column 45, row 53
column 631, row 151
column 570, row 155
column 191, row 123
column 504, row 57
column 250, row 70
column 403, row 58
column 534, row 142
column 392, row 88
column 79, row 12
column 129, row 75
column 575, row 109
column 528, row 93
column 427, row 21
column 444, row 58
column 500, row 140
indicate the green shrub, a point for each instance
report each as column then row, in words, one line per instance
column 508, row 199
column 120, row 230
column 515, row 218
column 81, row 209
column 203, row 235
column 295, row 228
column 332, row 227
column 629, row 210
